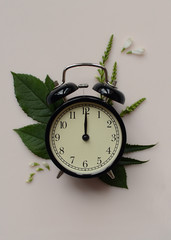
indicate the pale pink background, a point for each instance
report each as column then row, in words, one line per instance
column 41, row 37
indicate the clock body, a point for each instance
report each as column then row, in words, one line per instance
column 85, row 137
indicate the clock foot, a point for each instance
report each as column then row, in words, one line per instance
column 111, row 174
column 59, row 174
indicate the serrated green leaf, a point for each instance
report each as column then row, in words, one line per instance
column 120, row 177
column 131, row 108
column 31, row 94
column 49, row 83
column 33, row 136
column 114, row 73
column 129, row 161
column 134, row 148
column 104, row 59
column 107, row 51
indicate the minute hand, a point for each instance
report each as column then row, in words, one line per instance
column 85, row 124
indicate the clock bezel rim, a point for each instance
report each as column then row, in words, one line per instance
column 80, row 99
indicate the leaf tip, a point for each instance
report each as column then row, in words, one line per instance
column 13, row 74
column 15, row 130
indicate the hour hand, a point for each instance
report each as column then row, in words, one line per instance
column 85, row 137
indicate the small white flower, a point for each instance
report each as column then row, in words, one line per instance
column 127, row 44
column 139, row 51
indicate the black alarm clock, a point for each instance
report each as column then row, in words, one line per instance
column 85, row 137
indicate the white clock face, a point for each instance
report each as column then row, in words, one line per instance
column 85, row 138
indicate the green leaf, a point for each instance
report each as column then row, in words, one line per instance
column 104, row 59
column 114, row 73
column 134, row 148
column 130, row 161
column 98, row 78
column 33, row 136
column 49, row 83
column 120, row 177
column 31, row 94
column 132, row 107
column 108, row 49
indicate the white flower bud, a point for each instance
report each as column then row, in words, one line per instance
column 46, row 165
column 139, row 51
column 34, row 164
column 127, row 44
column 30, row 179
column 39, row 169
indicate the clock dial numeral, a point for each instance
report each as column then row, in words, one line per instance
column 57, row 137
column 61, row 150
column 63, row 124
column 113, row 137
column 72, row 159
column 99, row 114
column 108, row 150
column 86, row 109
column 72, row 115
column 109, row 123
column 99, row 160
column 85, row 164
